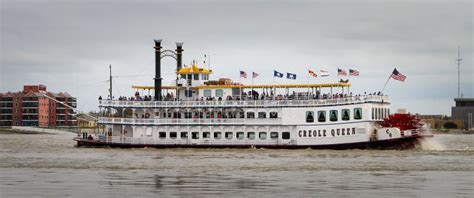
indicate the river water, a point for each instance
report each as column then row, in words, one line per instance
column 51, row 166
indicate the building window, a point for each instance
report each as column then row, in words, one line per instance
column 240, row 135
column 190, row 76
column 285, row 135
column 373, row 114
column 262, row 135
column 195, row 135
column 184, row 135
column 207, row 93
column 333, row 115
column 196, row 76
column 321, row 116
column 250, row 115
column 217, row 135
column 273, row 114
column 173, row 135
column 162, row 135
column 206, row 135
column 274, row 135
column 346, row 114
column 357, row 113
column 262, row 114
column 251, row 135
column 228, row 135
column 309, row 116
column 183, row 76
column 219, row 93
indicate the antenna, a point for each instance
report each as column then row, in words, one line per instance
column 459, row 59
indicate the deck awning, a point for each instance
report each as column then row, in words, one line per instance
column 279, row 86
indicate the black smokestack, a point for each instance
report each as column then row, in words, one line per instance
column 158, row 69
column 179, row 56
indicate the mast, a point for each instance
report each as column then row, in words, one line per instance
column 110, row 80
column 459, row 71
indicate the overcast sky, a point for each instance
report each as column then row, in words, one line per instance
column 68, row 45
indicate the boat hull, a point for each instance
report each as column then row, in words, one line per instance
column 396, row 143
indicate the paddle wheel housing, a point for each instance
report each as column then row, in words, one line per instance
column 402, row 121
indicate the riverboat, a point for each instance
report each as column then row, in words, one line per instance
column 201, row 113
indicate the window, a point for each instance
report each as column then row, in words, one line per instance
column 217, row 135
column 250, row 115
column 195, row 135
column 309, row 116
column 346, row 114
column 240, row 135
column 183, row 76
column 188, row 93
column 219, row 93
column 162, row 135
column 207, row 93
column 321, row 116
column 358, row 113
column 184, row 135
column 187, row 115
column 262, row 135
column 241, row 114
column 173, row 135
column 273, row 114
column 196, row 76
column 373, row 114
column 262, row 115
column 206, row 135
column 285, row 135
column 190, row 76
column 274, row 135
column 333, row 115
column 228, row 135
column 251, row 135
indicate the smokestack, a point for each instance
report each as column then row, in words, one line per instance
column 179, row 56
column 158, row 69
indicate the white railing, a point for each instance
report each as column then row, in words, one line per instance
column 220, row 121
column 244, row 103
column 189, row 141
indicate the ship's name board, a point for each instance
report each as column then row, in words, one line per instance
column 326, row 133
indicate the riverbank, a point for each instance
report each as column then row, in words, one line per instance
column 451, row 131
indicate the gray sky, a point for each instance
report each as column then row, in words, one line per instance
column 68, row 45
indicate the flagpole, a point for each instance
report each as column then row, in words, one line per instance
column 386, row 83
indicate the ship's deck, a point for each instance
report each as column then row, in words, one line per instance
column 245, row 103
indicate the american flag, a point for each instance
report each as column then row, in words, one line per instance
column 397, row 75
column 243, row 74
column 254, row 75
column 341, row 72
column 312, row 73
column 353, row 72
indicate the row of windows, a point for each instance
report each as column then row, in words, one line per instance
column 195, row 76
column 227, row 135
column 208, row 93
column 333, row 115
column 190, row 115
column 380, row 113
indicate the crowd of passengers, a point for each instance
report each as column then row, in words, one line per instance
column 252, row 95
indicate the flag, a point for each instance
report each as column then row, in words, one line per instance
column 324, row 73
column 290, row 76
column 254, row 75
column 312, row 73
column 243, row 74
column 341, row 72
column 353, row 72
column 277, row 74
column 397, row 75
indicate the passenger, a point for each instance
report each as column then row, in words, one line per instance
column 100, row 97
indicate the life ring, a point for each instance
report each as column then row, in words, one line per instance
column 147, row 115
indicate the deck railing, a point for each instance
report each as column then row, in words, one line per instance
column 244, row 103
column 217, row 121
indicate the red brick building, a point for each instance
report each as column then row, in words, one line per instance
column 31, row 107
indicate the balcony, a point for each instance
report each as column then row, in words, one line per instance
column 217, row 121
column 245, row 103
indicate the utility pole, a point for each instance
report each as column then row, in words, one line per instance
column 459, row 71
column 110, row 79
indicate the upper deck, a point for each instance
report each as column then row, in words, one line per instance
column 246, row 103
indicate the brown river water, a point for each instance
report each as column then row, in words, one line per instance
column 43, row 165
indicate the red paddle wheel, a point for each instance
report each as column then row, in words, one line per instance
column 402, row 121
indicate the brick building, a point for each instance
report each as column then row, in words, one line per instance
column 31, row 107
